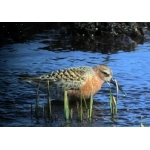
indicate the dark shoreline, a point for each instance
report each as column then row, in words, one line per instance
column 97, row 36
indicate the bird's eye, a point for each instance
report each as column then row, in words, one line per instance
column 105, row 73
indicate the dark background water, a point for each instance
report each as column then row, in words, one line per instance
column 44, row 53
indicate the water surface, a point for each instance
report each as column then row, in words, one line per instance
column 131, row 69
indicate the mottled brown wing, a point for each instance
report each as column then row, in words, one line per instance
column 71, row 78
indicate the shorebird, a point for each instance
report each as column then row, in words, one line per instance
column 78, row 81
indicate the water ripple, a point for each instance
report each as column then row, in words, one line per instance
column 131, row 69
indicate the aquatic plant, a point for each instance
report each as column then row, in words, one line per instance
column 90, row 107
column 113, row 100
column 78, row 112
column 49, row 100
column 66, row 105
column 81, row 109
column 44, row 113
column 71, row 113
column 113, row 104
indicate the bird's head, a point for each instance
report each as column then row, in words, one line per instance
column 106, row 75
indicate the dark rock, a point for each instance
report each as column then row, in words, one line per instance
column 96, row 36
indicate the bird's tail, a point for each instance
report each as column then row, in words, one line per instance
column 29, row 79
column 25, row 77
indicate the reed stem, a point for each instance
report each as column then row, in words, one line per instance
column 81, row 109
column 66, row 105
column 78, row 113
column 88, row 114
column 49, row 100
column 113, row 104
column 85, row 103
column 91, row 107
column 71, row 113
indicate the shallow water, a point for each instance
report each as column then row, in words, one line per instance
column 131, row 69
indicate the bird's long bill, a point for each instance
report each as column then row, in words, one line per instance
column 113, row 81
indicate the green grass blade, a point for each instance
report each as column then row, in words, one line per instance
column 113, row 104
column 91, row 106
column 66, row 105
column 85, row 103
column 88, row 114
